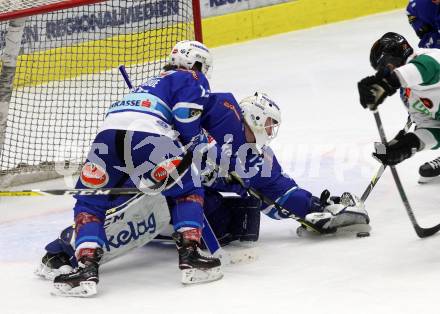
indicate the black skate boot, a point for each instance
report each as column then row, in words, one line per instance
column 429, row 170
column 196, row 268
column 53, row 265
column 83, row 281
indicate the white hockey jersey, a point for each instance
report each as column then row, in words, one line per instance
column 420, row 79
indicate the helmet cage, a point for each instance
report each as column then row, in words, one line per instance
column 263, row 117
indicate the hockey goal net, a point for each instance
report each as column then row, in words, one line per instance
column 59, row 73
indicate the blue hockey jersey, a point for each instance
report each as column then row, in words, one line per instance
column 173, row 100
column 424, row 17
column 224, row 122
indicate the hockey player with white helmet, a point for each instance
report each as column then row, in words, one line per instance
column 250, row 124
column 189, row 54
column 417, row 75
column 262, row 116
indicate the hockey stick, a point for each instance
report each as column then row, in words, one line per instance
column 58, row 192
column 280, row 208
column 176, row 173
column 421, row 232
column 381, row 170
column 125, row 76
column 373, row 182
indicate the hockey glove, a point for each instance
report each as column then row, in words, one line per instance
column 318, row 204
column 374, row 89
column 398, row 137
column 397, row 150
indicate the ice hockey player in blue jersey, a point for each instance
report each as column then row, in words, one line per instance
column 424, row 17
column 145, row 141
column 258, row 169
column 242, row 132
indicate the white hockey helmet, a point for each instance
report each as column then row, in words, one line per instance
column 188, row 53
column 262, row 116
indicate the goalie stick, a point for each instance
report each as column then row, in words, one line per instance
column 420, row 231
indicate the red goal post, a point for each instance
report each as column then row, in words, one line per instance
column 58, row 73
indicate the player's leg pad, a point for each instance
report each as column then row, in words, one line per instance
column 197, row 275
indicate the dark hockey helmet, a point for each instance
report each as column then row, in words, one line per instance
column 391, row 48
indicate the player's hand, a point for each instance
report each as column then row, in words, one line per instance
column 374, row 89
column 398, row 150
column 366, row 93
column 318, row 204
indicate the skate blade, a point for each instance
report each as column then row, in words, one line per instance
column 195, row 276
column 424, row 180
column 351, row 230
column 84, row 290
column 49, row 274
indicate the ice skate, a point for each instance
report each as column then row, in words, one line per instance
column 83, row 281
column 196, row 267
column 429, row 171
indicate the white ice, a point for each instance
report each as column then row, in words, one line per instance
column 325, row 142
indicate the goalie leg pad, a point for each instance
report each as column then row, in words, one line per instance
column 233, row 218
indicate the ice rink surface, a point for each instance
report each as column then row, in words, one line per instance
column 325, row 141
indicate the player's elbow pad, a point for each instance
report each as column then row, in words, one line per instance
column 186, row 112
